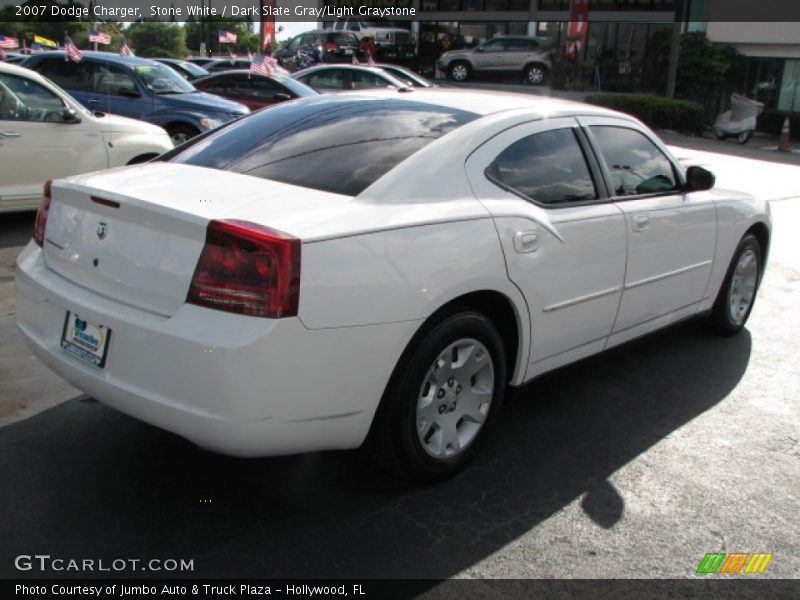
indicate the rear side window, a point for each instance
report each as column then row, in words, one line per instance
column 636, row 164
column 335, row 145
column 67, row 74
column 547, row 167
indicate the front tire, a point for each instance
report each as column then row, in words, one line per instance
column 738, row 292
column 460, row 71
column 536, row 75
column 442, row 397
column 181, row 133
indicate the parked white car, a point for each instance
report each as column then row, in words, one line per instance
column 46, row 134
column 377, row 266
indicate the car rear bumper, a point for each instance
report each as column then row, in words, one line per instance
column 238, row 385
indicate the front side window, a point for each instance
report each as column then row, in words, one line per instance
column 110, row 79
column 335, row 145
column 25, row 100
column 494, row 46
column 636, row 164
column 547, row 167
column 364, row 80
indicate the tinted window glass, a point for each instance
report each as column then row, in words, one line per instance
column 25, row 100
column 110, row 79
column 329, row 79
column 547, row 167
column 494, row 46
column 637, row 166
column 364, row 80
column 335, row 145
column 67, row 74
column 519, row 45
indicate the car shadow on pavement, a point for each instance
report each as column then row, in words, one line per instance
column 83, row 481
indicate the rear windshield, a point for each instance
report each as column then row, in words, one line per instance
column 339, row 145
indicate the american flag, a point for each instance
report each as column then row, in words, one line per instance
column 226, row 37
column 232, row 57
column 123, row 49
column 355, row 60
column 71, row 52
column 261, row 65
column 99, row 37
column 8, row 42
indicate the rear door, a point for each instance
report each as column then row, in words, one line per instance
column 563, row 239
column 75, row 78
column 671, row 233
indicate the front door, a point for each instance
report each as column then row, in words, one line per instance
column 36, row 144
column 671, row 233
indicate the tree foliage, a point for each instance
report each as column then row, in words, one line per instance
column 705, row 71
column 150, row 38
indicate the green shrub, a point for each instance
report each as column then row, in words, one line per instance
column 771, row 121
column 656, row 112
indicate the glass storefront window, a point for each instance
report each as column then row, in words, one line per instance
column 790, row 87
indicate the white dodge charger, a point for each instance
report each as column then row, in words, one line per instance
column 376, row 267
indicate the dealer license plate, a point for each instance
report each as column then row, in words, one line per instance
column 86, row 340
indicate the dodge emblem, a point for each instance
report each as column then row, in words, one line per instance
column 102, row 229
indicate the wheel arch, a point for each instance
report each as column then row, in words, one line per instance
column 762, row 233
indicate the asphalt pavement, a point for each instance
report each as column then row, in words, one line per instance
column 631, row 464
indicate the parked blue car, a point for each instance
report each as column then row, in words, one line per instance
column 139, row 88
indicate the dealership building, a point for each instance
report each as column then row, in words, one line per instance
column 628, row 40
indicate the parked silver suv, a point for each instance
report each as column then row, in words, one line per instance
column 508, row 54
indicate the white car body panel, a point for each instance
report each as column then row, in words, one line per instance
column 49, row 150
column 374, row 267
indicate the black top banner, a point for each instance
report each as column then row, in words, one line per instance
column 397, row 10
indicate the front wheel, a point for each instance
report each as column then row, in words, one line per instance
column 738, row 292
column 181, row 133
column 442, row 397
column 535, row 75
column 460, row 71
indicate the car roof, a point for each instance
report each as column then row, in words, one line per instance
column 488, row 102
column 111, row 57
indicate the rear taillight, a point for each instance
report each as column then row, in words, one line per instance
column 247, row 269
column 330, row 46
column 41, row 215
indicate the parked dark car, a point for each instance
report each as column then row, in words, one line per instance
column 200, row 61
column 252, row 90
column 337, row 47
column 344, row 78
column 188, row 70
column 139, row 88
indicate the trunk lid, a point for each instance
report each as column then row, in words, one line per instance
column 134, row 234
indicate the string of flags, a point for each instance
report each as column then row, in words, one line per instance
column 71, row 51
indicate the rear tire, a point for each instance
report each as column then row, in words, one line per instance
column 441, row 400
column 738, row 292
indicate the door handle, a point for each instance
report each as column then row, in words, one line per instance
column 641, row 222
column 93, row 101
column 9, row 134
column 526, row 242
